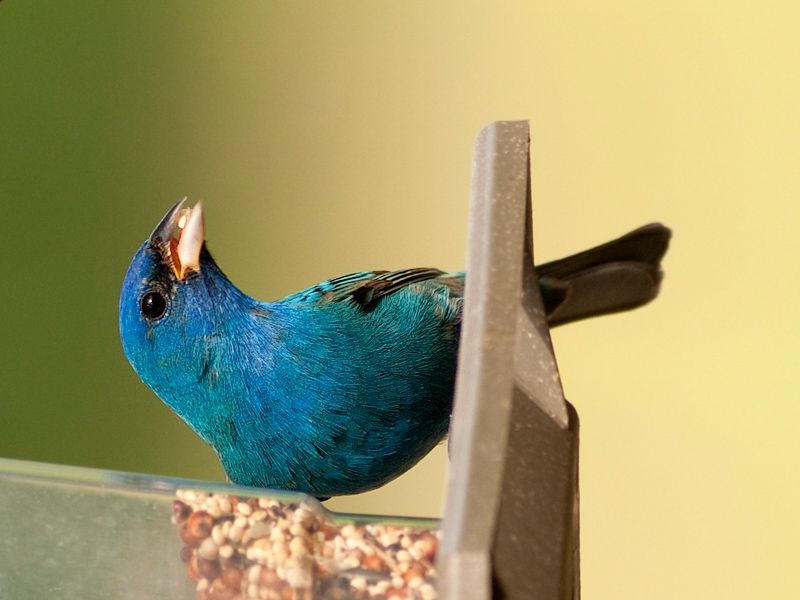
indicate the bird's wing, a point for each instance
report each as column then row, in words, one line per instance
column 363, row 289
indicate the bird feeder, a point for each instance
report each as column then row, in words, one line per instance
column 510, row 528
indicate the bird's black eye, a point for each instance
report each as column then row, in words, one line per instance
column 154, row 305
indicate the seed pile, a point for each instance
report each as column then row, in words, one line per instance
column 243, row 548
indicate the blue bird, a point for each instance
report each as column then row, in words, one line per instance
column 342, row 387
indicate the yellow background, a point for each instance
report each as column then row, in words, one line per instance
column 332, row 137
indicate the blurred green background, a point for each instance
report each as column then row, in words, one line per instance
column 328, row 138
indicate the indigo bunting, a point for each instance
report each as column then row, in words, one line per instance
column 343, row 386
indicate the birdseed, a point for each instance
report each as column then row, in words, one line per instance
column 259, row 548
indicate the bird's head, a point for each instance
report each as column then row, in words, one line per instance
column 173, row 304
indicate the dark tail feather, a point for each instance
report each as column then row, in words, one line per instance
column 619, row 275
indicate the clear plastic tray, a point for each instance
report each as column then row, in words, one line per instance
column 70, row 532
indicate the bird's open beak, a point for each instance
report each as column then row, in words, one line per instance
column 180, row 236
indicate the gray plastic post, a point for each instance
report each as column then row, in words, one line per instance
column 510, row 528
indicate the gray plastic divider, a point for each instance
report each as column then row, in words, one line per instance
column 510, row 528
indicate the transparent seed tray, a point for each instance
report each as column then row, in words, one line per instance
column 70, row 532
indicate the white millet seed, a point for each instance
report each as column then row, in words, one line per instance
column 298, row 547
column 359, row 583
column 427, row 591
column 208, row 549
column 254, row 574
column 224, row 505
column 235, row 533
column 217, row 535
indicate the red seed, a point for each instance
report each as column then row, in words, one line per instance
column 180, row 511
column 232, row 577
column 373, row 563
column 219, row 591
column 329, row 529
column 200, row 524
column 413, row 572
column 269, row 579
column 209, row 569
column 183, row 533
column 191, row 569
column 427, row 544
